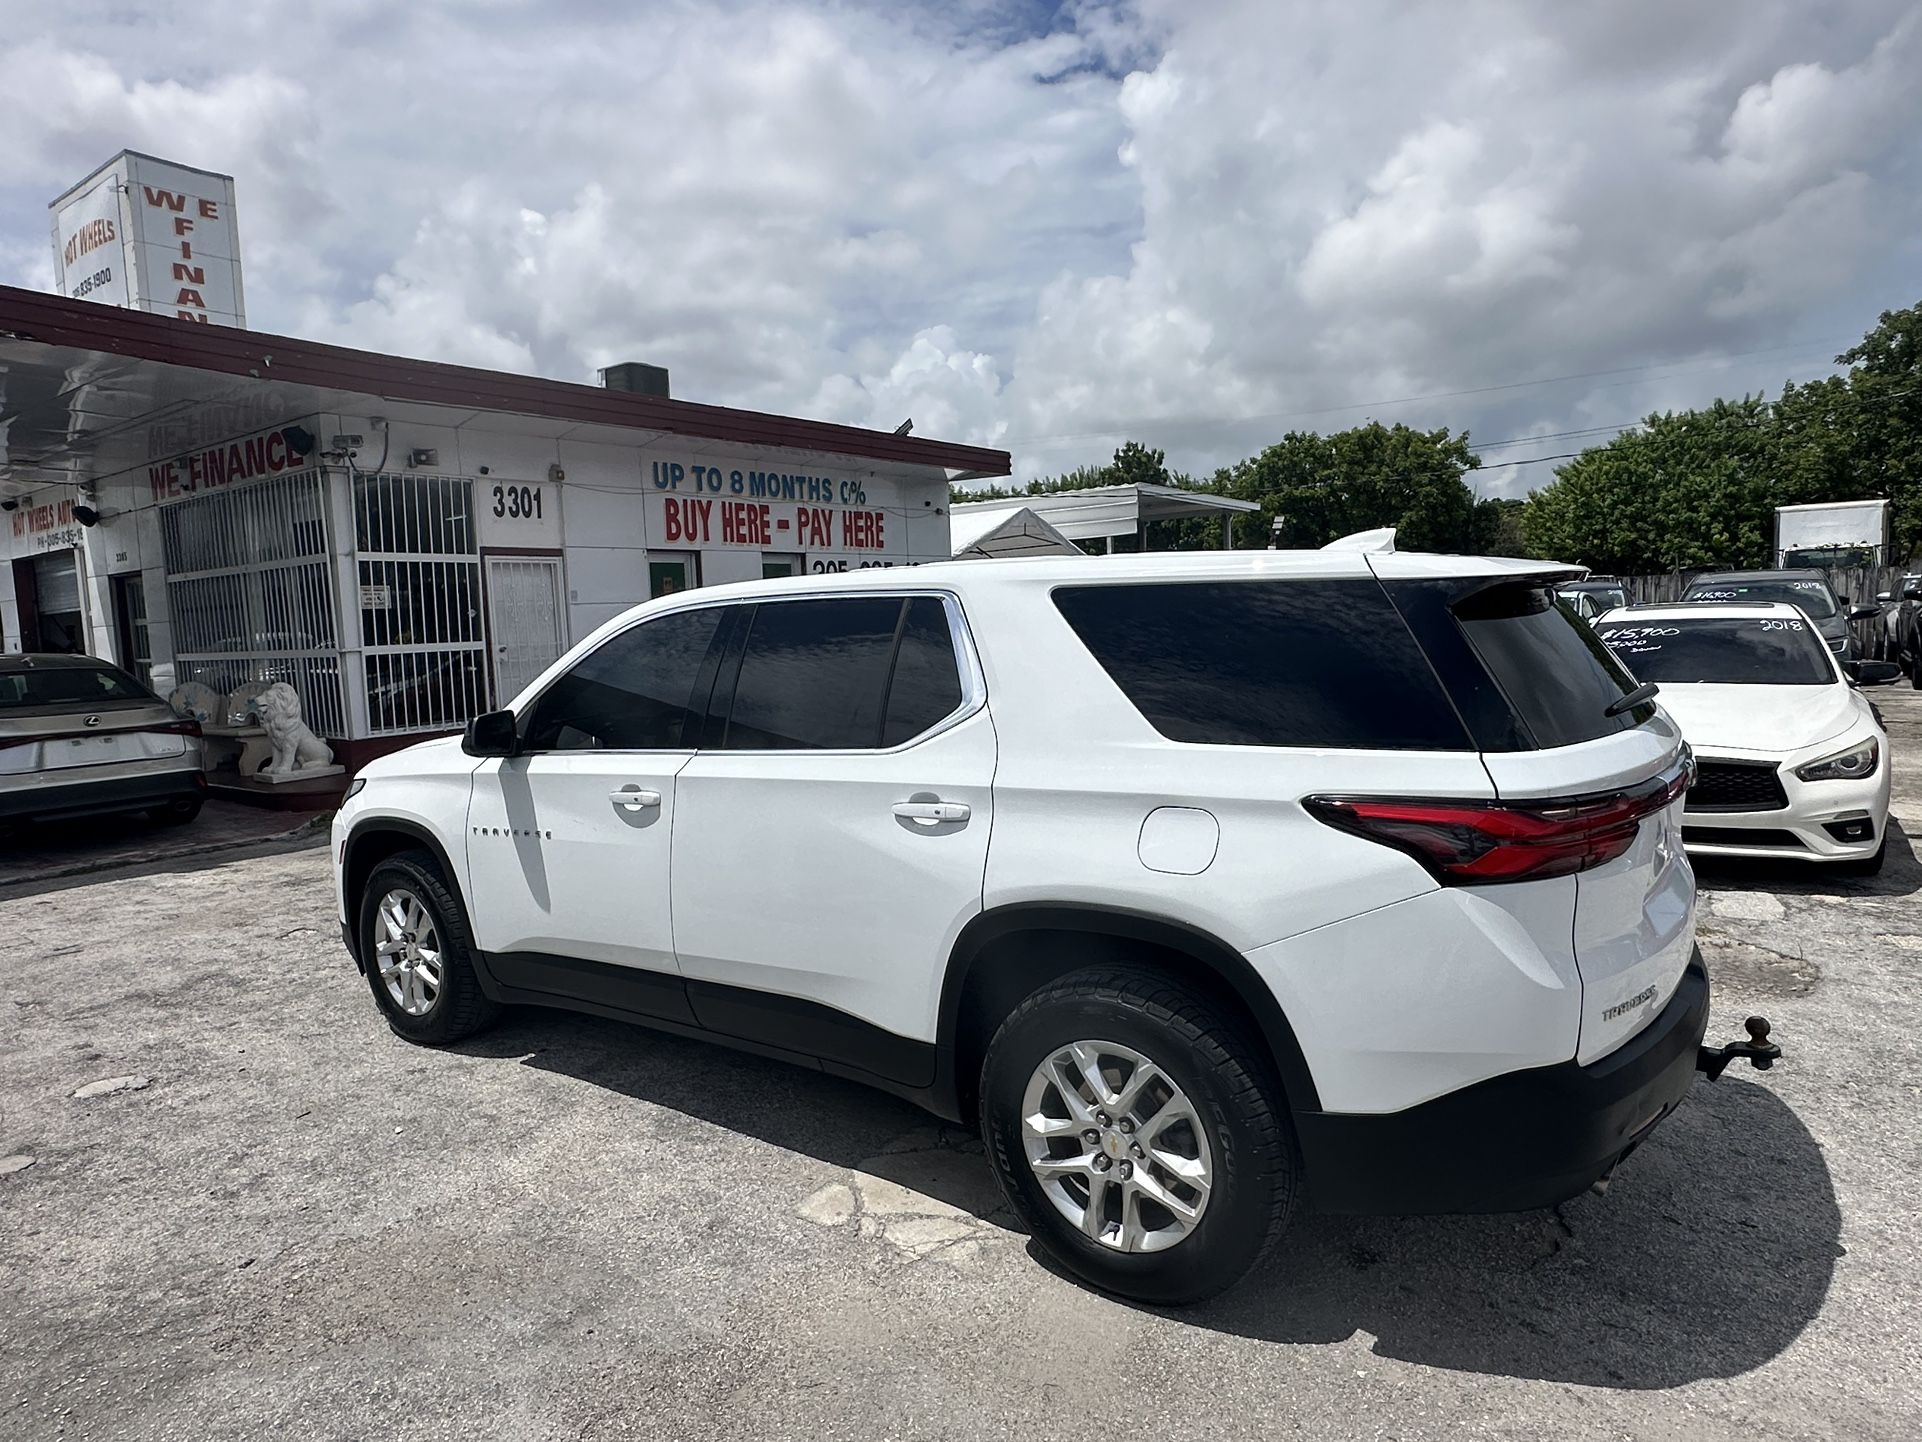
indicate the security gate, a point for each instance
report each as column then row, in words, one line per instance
column 420, row 606
column 523, row 620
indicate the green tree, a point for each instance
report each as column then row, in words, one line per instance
column 1699, row 488
column 1313, row 488
column 1690, row 490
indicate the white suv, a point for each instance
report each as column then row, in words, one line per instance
column 1208, row 884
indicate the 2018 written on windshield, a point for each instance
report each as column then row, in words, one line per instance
column 1642, row 639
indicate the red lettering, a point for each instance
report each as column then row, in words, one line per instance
column 189, row 296
column 213, row 465
column 276, row 451
column 237, row 463
column 671, row 516
column 199, row 315
column 182, row 225
column 207, row 211
column 158, row 198
column 704, row 513
column 186, row 250
column 197, row 274
column 861, row 530
column 257, row 455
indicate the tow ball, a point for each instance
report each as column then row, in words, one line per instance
column 1760, row 1051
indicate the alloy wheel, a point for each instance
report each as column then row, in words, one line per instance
column 1117, row 1146
column 408, row 952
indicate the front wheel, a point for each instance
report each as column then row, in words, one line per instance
column 1138, row 1135
column 414, row 940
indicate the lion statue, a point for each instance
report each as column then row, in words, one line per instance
column 296, row 748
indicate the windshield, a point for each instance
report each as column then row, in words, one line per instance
column 1815, row 597
column 69, row 686
column 1756, row 651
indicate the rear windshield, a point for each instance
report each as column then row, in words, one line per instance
column 1607, row 597
column 1769, row 651
column 1558, row 677
column 1815, row 597
column 1324, row 663
column 68, row 686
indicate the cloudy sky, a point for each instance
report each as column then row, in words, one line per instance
column 1048, row 227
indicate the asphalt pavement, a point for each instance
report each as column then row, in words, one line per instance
column 273, row 1218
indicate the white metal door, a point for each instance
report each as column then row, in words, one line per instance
column 523, row 619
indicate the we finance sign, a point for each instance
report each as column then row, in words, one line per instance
column 212, row 468
column 700, row 506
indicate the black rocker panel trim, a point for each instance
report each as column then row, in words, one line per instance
column 786, row 1027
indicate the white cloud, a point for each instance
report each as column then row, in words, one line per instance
column 1195, row 224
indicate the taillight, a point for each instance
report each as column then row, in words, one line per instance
column 1476, row 842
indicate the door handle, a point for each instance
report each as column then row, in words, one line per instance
column 932, row 810
column 634, row 799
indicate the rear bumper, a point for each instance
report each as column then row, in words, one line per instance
column 107, row 794
column 1514, row 1142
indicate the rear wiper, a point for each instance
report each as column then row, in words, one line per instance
column 1644, row 692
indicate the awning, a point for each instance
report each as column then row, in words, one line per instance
column 89, row 390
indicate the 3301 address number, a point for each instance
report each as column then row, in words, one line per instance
column 517, row 503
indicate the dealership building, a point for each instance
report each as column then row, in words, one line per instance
column 406, row 543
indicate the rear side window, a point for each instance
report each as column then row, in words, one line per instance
column 848, row 674
column 633, row 692
column 926, row 685
column 1323, row 663
column 1557, row 675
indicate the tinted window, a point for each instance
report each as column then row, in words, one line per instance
column 1812, row 596
column 926, row 685
column 633, row 692
column 1557, row 675
column 1770, row 651
column 814, row 675
column 69, row 686
column 1266, row 663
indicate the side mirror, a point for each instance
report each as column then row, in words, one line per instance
column 1865, row 613
column 1912, row 593
column 1875, row 673
column 492, row 733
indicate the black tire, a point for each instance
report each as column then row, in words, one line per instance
column 458, row 1008
column 1867, row 865
column 177, row 813
column 1256, row 1164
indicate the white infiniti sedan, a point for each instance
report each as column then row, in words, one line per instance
column 1793, row 760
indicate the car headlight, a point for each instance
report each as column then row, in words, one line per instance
column 1838, row 643
column 1850, row 765
column 354, row 788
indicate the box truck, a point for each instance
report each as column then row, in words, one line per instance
column 1832, row 535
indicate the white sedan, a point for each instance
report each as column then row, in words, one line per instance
column 1793, row 761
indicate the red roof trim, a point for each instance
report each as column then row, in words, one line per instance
column 86, row 325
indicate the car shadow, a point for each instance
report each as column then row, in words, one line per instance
column 1711, row 1252
column 1901, row 873
column 1709, row 1255
column 797, row 1108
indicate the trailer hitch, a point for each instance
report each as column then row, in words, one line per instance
column 1760, row 1051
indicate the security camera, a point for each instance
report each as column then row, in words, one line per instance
column 86, row 515
column 556, row 474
